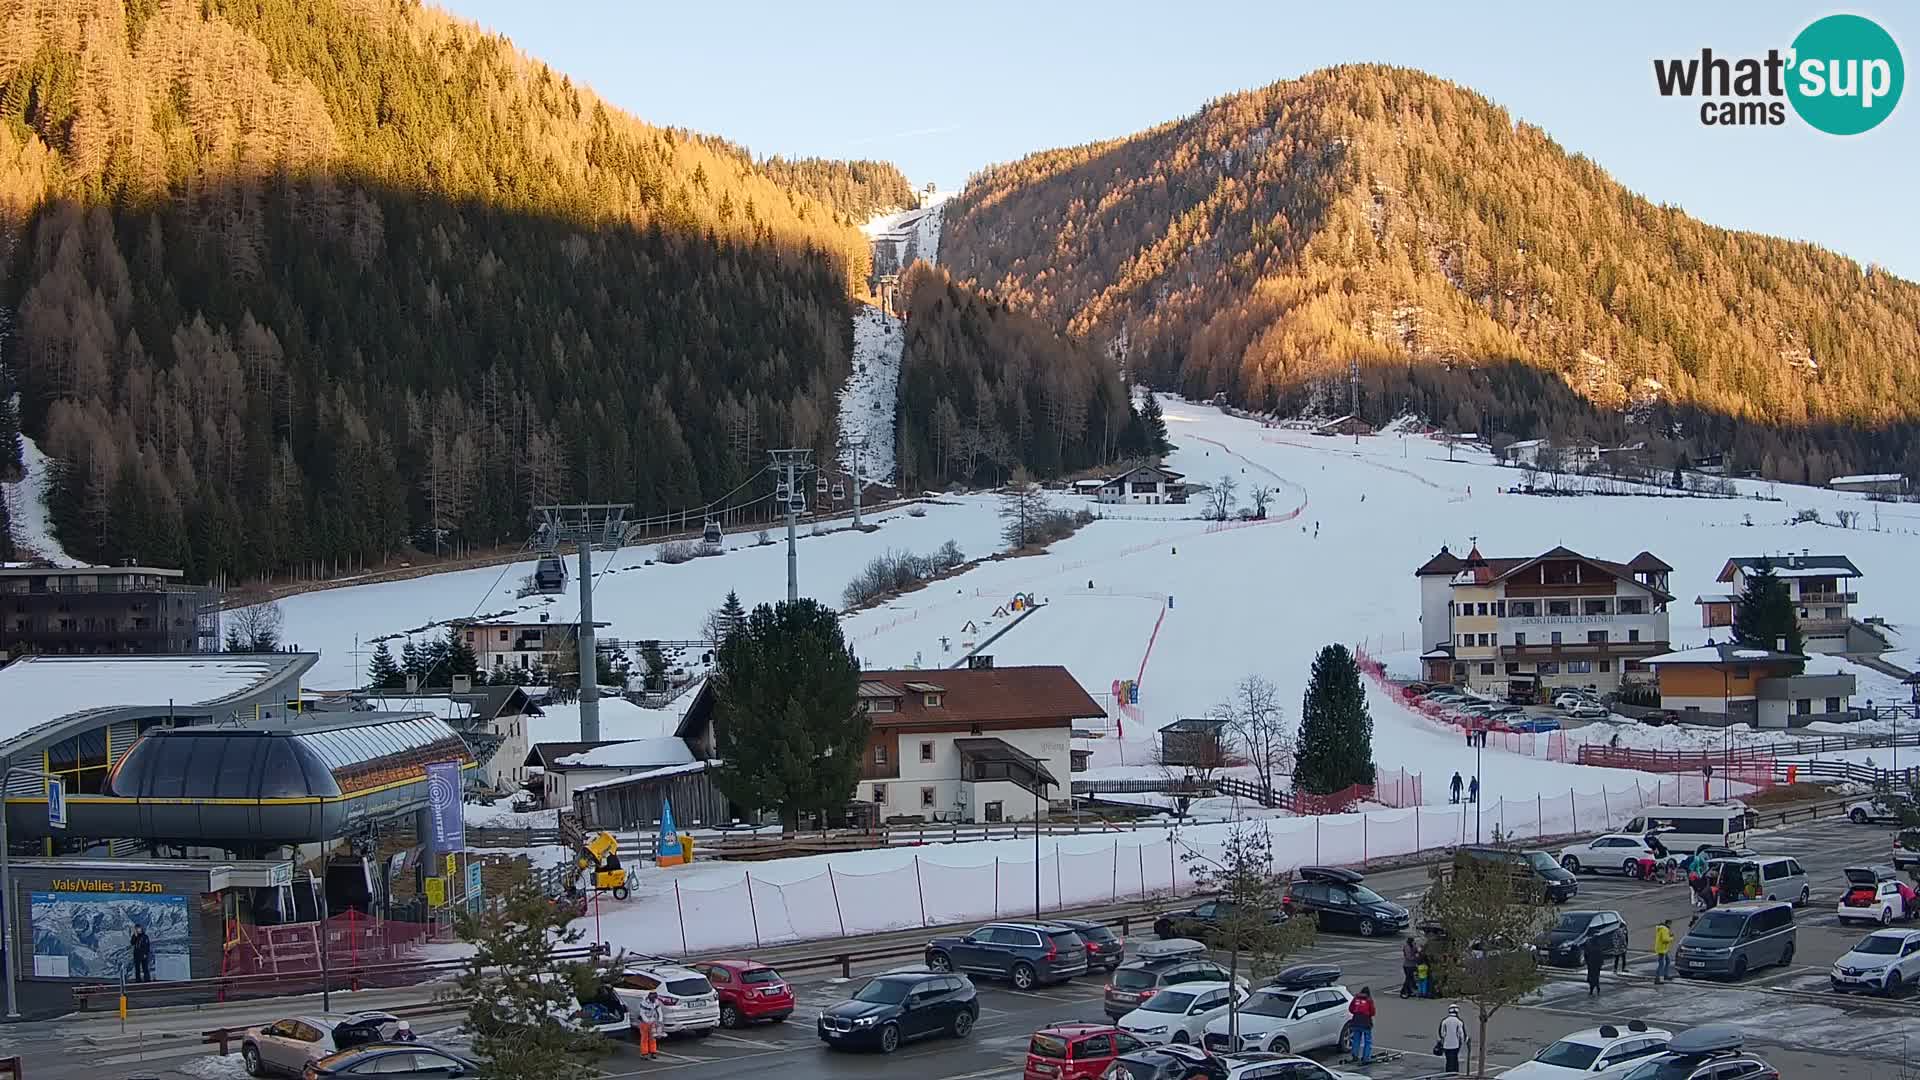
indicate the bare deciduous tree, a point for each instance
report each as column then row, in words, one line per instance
column 254, row 629
column 1261, row 495
column 1260, row 728
column 1220, row 499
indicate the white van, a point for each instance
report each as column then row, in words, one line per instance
column 1774, row 877
column 1685, row 829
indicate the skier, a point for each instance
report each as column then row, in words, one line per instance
column 1316, row 530
column 1473, row 789
column 1455, row 786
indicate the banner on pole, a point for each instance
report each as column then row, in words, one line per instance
column 446, row 824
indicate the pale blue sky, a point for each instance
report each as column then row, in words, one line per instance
column 941, row 90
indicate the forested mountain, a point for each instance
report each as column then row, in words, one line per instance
column 984, row 390
column 1384, row 216
column 301, row 281
column 857, row 189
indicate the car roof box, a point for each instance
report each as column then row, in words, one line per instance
column 1868, row 875
column 1707, row 1039
column 1168, row 949
column 1305, row 976
column 1336, row 874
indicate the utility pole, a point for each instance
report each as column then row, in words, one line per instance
column 794, row 464
column 588, row 525
column 858, row 445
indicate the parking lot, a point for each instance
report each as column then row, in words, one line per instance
column 1804, row 1028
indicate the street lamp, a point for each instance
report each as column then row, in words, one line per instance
column 1481, row 796
column 7, row 771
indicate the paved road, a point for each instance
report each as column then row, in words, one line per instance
column 1805, row 1029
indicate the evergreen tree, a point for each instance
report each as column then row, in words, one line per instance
column 656, row 663
column 233, row 641
column 785, row 713
column 383, row 673
column 1336, row 731
column 517, row 1003
column 1153, row 424
column 461, row 659
column 730, row 615
column 1764, row 616
column 412, row 662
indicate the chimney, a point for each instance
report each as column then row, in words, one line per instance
column 413, row 684
column 1780, row 644
column 463, row 684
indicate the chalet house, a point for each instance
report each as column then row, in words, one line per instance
column 1820, row 586
column 1198, row 741
column 1559, row 618
column 1344, row 425
column 1871, row 483
column 1742, row 684
column 565, row 767
column 523, row 641
column 972, row 745
column 1146, row 484
column 1568, row 455
column 492, row 720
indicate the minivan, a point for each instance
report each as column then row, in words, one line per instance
column 1689, row 828
column 1736, row 938
column 1775, row 877
column 1539, row 871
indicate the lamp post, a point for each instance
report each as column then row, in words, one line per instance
column 7, row 771
column 1039, row 793
column 1480, row 796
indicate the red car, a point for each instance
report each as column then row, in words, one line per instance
column 1076, row 1051
column 749, row 991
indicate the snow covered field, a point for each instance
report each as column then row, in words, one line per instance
column 867, row 402
column 27, row 507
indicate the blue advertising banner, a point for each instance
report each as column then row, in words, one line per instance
column 669, row 846
column 447, row 826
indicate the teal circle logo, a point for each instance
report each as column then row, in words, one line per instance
column 1846, row 76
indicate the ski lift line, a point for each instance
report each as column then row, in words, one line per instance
column 426, row 675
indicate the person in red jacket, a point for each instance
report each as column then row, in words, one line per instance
column 1362, row 1010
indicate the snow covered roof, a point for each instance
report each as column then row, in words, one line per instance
column 1157, row 472
column 1792, row 566
column 1714, row 598
column 637, row 753
column 40, row 690
column 1722, row 654
column 525, row 619
column 1868, row 478
column 649, row 774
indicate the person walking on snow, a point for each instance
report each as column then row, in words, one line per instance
column 646, row 1017
column 1456, row 787
column 1362, row 1010
column 1473, row 790
column 1409, row 963
column 1596, row 959
column 1663, row 952
column 1619, row 950
column 1453, row 1038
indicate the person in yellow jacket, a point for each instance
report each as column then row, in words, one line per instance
column 1663, row 952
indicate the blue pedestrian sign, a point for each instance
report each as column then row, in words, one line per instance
column 56, row 803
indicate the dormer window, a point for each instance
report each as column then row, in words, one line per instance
column 932, row 701
column 880, row 705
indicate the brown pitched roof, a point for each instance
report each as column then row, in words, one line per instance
column 1444, row 563
column 1647, row 560
column 1502, row 568
column 1045, row 694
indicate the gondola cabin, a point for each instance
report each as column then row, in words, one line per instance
column 550, row 575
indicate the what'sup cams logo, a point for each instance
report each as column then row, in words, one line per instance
column 1842, row 75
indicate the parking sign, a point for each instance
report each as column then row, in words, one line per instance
column 56, row 803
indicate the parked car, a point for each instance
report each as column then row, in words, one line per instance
column 1105, row 949
column 1535, row 725
column 688, row 1005
column 1281, row 1067
column 1536, row 871
column 405, row 1060
column 289, row 1045
column 1180, row 1013
column 1906, row 851
column 1883, row 962
column 1583, row 711
column 1776, row 877
column 899, row 1007
column 749, row 991
column 1709, row 1052
column 1877, row 808
column 1173, row 1061
column 1157, row 965
column 1873, row 894
column 1299, row 1010
column 1594, row 1050
column 1024, row 954
column 1200, row 920
column 1736, row 938
column 1337, row 900
column 1615, row 851
column 1073, row 1050
column 1567, row 942
column 597, row 1010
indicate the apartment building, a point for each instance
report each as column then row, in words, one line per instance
column 1821, row 587
column 1559, row 618
column 92, row 610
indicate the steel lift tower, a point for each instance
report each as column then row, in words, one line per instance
column 586, row 526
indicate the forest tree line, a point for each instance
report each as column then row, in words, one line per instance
column 985, row 391
column 1384, row 217
column 304, row 282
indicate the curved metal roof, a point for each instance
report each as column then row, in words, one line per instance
column 241, row 763
column 50, row 697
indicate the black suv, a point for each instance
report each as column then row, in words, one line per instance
column 1338, row 901
column 1104, row 950
column 1160, row 964
column 1172, row 1062
column 1199, row 920
column 1568, row 941
column 1025, row 954
column 899, row 1007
